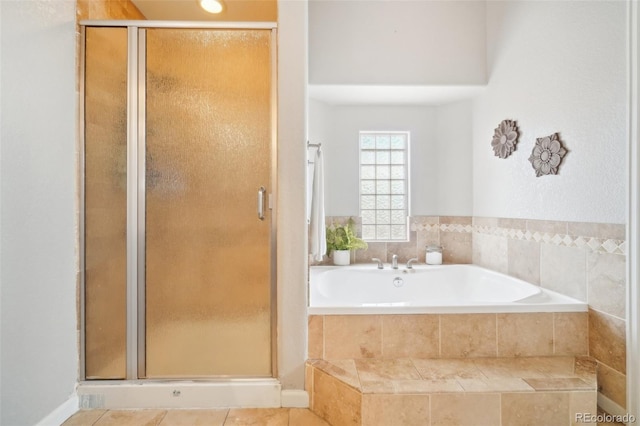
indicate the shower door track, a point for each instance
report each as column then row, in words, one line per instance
column 136, row 140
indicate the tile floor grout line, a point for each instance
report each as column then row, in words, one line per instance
column 162, row 419
column 98, row 419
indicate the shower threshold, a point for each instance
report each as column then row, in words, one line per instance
column 217, row 393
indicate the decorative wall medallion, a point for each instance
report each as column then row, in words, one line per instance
column 505, row 138
column 547, row 155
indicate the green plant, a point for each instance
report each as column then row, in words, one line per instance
column 343, row 237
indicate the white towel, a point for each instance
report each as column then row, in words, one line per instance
column 318, row 239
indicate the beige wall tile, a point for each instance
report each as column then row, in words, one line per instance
column 315, row 337
column 405, row 251
column 612, row 384
column 336, row 402
column 607, row 340
column 490, row 251
column 410, row 336
column 606, row 277
column 597, row 230
column 385, row 410
column 571, row 333
column 524, row 260
column 583, row 229
column 535, row 409
column 510, row 223
column 467, row 409
column 426, row 238
column 352, row 336
column 456, row 220
column 374, row 250
column 529, row 334
column 467, row 335
column 547, row 226
column 425, row 220
column 485, row 221
column 581, row 403
column 563, row 269
column 456, row 247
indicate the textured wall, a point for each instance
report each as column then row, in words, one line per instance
column 554, row 67
column 39, row 208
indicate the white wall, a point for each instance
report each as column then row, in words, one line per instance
column 554, row 67
column 290, row 203
column 396, row 42
column 341, row 152
column 454, row 160
column 38, row 230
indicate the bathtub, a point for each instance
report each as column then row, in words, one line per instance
column 442, row 289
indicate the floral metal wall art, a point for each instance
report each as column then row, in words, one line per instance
column 505, row 138
column 547, row 155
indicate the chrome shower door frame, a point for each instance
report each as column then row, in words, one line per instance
column 136, row 185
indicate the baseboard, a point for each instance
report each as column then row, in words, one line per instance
column 294, row 398
column 180, row 394
column 610, row 406
column 62, row 413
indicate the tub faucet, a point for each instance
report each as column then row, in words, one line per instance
column 380, row 265
column 394, row 261
column 410, row 262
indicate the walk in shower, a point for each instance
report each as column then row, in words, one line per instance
column 178, row 126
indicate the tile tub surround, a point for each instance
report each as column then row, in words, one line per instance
column 454, row 233
column 478, row 391
column 578, row 259
column 583, row 260
column 332, row 337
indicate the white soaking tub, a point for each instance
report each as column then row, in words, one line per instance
column 365, row 289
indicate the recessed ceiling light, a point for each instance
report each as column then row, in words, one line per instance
column 211, row 6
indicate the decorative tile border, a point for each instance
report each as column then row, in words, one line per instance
column 445, row 227
column 599, row 245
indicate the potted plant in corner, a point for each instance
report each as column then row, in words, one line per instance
column 341, row 239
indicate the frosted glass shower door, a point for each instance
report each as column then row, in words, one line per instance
column 208, row 152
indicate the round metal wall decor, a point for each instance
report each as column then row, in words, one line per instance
column 547, row 155
column 505, row 138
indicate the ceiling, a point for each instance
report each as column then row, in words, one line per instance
column 189, row 10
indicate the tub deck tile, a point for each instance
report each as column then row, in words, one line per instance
column 409, row 384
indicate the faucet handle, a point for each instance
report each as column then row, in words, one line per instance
column 410, row 262
column 380, row 265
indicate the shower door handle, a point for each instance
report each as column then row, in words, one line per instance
column 261, row 193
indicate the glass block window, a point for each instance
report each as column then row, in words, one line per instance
column 384, row 186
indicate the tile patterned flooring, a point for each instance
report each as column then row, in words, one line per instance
column 222, row 417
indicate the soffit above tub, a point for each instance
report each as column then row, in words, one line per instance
column 392, row 95
column 189, row 10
